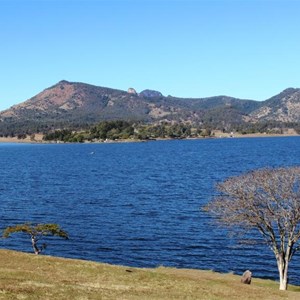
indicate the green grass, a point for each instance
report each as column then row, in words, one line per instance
column 28, row 276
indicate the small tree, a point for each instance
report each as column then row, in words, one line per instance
column 36, row 232
column 267, row 200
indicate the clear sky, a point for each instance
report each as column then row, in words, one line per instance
column 242, row 48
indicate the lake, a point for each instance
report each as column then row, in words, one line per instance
column 138, row 204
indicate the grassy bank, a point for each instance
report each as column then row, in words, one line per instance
column 27, row 276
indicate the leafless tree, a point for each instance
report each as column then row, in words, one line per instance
column 267, row 200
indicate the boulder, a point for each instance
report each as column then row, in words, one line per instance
column 246, row 278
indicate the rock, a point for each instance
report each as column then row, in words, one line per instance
column 150, row 94
column 246, row 278
column 132, row 91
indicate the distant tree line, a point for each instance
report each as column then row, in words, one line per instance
column 114, row 130
column 23, row 129
column 123, row 130
column 271, row 127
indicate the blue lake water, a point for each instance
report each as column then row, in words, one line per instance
column 138, row 204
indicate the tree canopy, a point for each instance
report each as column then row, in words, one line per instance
column 36, row 232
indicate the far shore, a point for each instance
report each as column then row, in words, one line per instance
column 38, row 139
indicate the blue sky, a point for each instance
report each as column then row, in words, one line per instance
column 245, row 49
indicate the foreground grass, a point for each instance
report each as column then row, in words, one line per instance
column 26, row 276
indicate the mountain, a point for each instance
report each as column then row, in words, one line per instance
column 284, row 107
column 77, row 105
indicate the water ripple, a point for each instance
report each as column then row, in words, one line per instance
column 138, row 204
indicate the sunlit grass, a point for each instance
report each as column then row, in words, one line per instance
column 27, row 276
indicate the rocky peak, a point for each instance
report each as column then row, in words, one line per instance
column 132, row 91
column 150, row 94
column 64, row 82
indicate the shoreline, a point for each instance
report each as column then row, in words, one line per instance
column 39, row 139
column 28, row 276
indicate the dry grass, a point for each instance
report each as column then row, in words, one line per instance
column 38, row 138
column 26, row 276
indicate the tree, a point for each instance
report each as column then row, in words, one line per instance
column 32, row 137
column 267, row 200
column 36, row 232
column 22, row 136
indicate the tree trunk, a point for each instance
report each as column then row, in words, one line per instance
column 282, row 264
column 34, row 246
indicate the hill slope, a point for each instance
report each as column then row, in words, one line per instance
column 28, row 276
column 76, row 105
column 284, row 107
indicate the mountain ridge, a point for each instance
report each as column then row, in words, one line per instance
column 77, row 104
